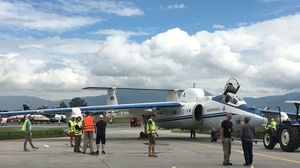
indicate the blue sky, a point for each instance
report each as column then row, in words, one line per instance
column 54, row 47
column 153, row 17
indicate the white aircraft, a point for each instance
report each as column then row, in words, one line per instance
column 3, row 120
column 192, row 110
column 56, row 118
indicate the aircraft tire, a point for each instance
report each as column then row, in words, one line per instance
column 289, row 138
column 269, row 139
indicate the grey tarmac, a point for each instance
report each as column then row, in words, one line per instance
column 125, row 150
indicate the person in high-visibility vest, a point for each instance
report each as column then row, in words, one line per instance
column 77, row 133
column 272, row 124
column 88, row 129
column 71, row 125
column 28, row 133
column 151, row 130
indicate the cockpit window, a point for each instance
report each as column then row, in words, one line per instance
column 233, row 100
column 240, row 99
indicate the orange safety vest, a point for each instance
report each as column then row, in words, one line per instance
column 88, row 124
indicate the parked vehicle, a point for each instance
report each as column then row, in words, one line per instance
column 135, row 122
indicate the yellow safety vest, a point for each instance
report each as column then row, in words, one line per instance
column 272, row 125
column 77, row 132
column 24, row 127
column 151, row 128
column 72, row 126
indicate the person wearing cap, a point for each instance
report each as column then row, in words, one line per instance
column 247, row 133
column 77, row 133
column 151, row 130
column 28, row 133
column 88, row 129
column 100, row 132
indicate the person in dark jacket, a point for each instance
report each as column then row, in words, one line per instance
column 247, row 134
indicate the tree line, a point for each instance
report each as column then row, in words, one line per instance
column 75, row 102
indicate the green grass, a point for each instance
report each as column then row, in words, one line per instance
column 16, row 133
column 121, row 120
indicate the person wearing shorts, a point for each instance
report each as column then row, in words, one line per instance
column 151, row 130
column 100, row 131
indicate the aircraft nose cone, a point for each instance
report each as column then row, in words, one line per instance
column 260, row 121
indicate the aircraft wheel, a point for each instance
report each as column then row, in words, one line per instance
column 213, row 136
column 269, row 139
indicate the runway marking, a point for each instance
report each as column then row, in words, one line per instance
column 277, row 158
column 256, row 154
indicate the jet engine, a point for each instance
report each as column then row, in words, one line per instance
column 195, row 109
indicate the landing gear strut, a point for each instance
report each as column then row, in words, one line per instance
column 144, row 134
column 214, row 136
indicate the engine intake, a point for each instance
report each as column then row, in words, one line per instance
column 198, row 112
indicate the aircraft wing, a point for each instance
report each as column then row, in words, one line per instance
column 98, row 108
column 275, row 112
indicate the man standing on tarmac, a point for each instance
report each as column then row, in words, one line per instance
column 151, row 130
column 101, row 128
column 71, row 126
column 247, row 134
column 77, row 133
column 225, row 135
column 88, row 129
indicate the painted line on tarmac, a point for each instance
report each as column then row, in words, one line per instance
column 254, row 153
column 277, row 158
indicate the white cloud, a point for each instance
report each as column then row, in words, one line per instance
column 269, row 1
column 217, row 26
column 118, row 32
column 20, row 72
column 176, row 6
column 22, row 15
column 262, row 56
column 121, row 8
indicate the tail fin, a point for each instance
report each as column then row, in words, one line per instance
column 112, row 97
column 172, row 95
column 26, row 107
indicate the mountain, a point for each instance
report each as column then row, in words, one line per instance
column 15, row 102
column 273, row 101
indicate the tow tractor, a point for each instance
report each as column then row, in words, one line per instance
column 287, row 133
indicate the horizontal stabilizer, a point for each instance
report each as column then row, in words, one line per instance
column 141, row 89
column 111, row 95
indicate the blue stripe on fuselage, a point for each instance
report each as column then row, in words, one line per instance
column 176, row 118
